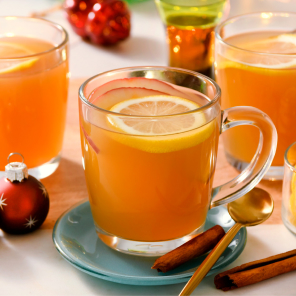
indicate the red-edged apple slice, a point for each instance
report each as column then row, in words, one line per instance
column 137, row 82
column 89, row 139
column 114, row 96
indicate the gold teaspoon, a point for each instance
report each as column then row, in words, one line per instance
column 249, row 210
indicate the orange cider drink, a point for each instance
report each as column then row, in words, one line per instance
column 154, row 186
column 258, row 69
column 34, row 84
column 149, row 150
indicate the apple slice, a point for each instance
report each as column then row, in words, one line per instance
column 114, row 96
column 89, row 139
column 137, row 82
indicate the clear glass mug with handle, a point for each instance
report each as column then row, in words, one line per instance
column 149, row 172
column 255, row 65
column 34, row 78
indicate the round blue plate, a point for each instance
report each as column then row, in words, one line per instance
column 75, row 238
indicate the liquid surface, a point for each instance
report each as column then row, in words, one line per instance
column 33, row 100
column 263, row 81
column 19, row 46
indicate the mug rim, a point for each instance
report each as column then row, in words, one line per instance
column 249, row 15
column 38, row 20
column 212, row 102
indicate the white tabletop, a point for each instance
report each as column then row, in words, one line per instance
column 30, row 264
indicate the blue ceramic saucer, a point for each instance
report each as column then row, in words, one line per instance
column 75, row 238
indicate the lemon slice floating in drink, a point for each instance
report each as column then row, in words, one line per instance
column 280, row 47
column 284, row 43
column 12, row 51
column 156, row 131
column 281, row 44
column 155, row 106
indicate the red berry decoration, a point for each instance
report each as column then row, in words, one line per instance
column 104, row 22
column 24, row 201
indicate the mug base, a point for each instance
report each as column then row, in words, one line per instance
column 143, row 249
column 46, row 169
column 290, row 226
column 274, row 172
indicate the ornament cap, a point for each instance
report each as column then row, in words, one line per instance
column 16, row 171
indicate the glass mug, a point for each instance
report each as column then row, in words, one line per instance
column 34, row 88
column 249, row 75
column 149, row 193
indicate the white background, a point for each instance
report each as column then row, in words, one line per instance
column 30, row 265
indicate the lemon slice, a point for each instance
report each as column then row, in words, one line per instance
column 13, row 50
column 159, row 134
column 282, row 46
column 9, row 50
column 156, row 106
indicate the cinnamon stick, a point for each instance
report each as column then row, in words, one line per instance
column 256, row 271
column 191, row 249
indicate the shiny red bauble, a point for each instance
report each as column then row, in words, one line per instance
column 104, row 22
column 108, row 22
column 76, row 13
column 23, row 205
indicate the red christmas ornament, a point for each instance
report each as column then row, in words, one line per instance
column 76, row 13
column 24, row 201
column 108, row 22
column 105, row 22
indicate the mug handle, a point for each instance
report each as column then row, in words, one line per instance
column 262, row 159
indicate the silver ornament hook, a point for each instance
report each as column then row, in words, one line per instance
column 15, row 153
column 16, row 171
